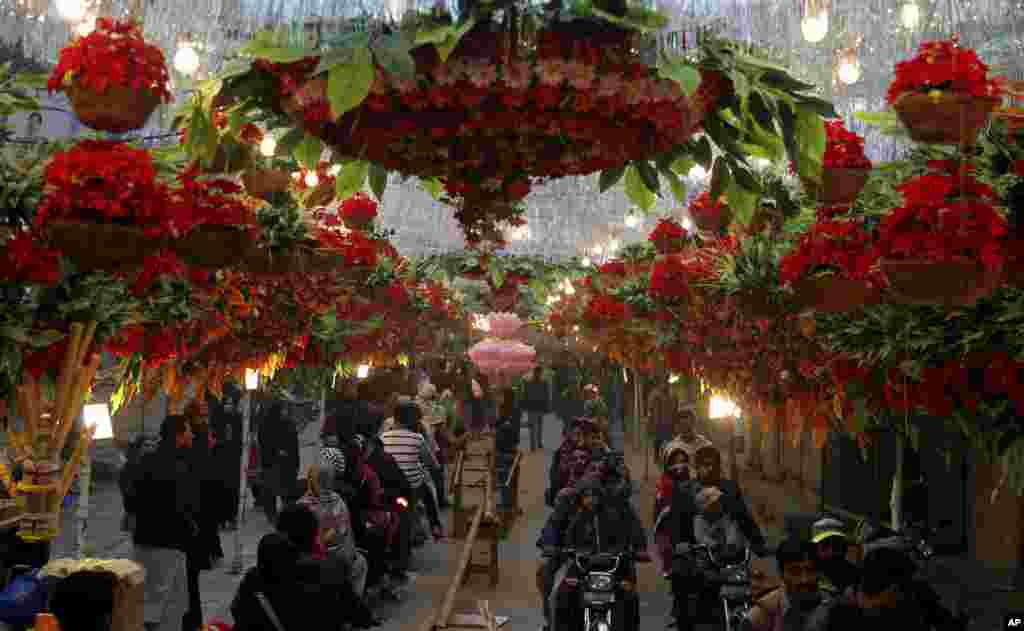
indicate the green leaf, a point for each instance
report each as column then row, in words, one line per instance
column 392, row 54
column 679, row 70
column 821, row 107
column 649, row 175
column 637, row 191
column 683, row 166
column 758, row 63
column 351, row 179
column 275, row 53
column 378, row 180
column 30, row 80
column 761, row 110
column 742, row 201
column 610, row 177
column 348, row 85
column 444, row 38
column 721, row 179
column 702, row 152
column 343, row 51
column 887, row 122
column 645, row 21
column 783, row 81
column 811, row 140
column 308, row 152
column 676, row 184
column 433, row 186
column 286, row 144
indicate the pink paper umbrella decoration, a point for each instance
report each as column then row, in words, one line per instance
column 503, row 357
column 504, row 325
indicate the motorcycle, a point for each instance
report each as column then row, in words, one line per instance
column 602, row 581
column 731, row 577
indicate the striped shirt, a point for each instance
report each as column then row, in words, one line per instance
column 335, row 459
column 411, row 452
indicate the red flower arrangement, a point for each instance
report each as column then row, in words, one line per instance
column 614, row 267
column 605, row 310
column 945, row 217
column 209, row 201
column 668, row 236
column 23, row 259
column 105, row 182
column 114, row 54
column 844, row 149
column 844, row 246
column 358, row 211
column 944, row 65
column 710, row 215
column 354, row 246
column 670, row 280
column 159, row 265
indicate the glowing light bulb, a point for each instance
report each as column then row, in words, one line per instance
column 687, row 224
column 87, row 26
column 910, row 15
column 71, row 10
column 585, row 261
column 186, row 60
column 252, row 379
column 363, row 371
column 296, row 175
column 697, row 173
column 723, row 408
column 268, row 146
column 815, row 27
column 849, row 69
column 632, row 221
column 312, row 179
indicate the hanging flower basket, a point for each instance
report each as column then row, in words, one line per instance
column 944, row 117
column 807, row 324
column 117, row 110
column 839, row 186
column 945, row 283
column 102, row 245
column 833, row 294
column 262, row 261
column 214, row 246
column 767, row 218
column 758, row 304
column 266, row 182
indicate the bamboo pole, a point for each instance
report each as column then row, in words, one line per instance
column 460, row 571
column 67, row 369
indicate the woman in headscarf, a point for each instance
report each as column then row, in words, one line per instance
column 336, row 538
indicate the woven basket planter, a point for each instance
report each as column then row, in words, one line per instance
column 941, row 283
column 833, row 294
column 758, row 305
column 215, row 246
column 266, row 182
column 839, row 186
column 949, row 118
column 117, row 110
column 102, row 245
column 231, row 157
column 261, row 261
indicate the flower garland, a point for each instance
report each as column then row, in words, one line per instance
column 844, row 149
column 114, row 54
column 944, row 65
column 670, row 280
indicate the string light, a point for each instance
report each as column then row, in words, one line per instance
column 815, row 23
column 697, row 173
column 632, row 221
column 186, row 60
column 613, row 246
column 71, row 10
column 910, row 15
column 312, row 179
column 268, row 146
column 848, row 70
column 334, row 170
column 87, row 26
column 586, row 262
column 687, row 224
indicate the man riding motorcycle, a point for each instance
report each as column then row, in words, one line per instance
column 597, row 525
column 836, row 572
column 788, row 608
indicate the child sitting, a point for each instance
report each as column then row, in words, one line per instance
column 713, row 527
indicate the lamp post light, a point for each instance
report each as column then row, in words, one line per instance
column 722, row 408
column 252, row 383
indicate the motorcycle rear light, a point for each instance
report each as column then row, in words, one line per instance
column 404, row 503
column 627, row 586
column 570, row 583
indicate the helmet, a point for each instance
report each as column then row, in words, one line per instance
column 670, row 450
column 826, row 529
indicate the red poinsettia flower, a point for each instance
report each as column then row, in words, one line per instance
column 47, row 360
column 703, row 207
column 23, row 259
column 605, row 309
column 668, row 235
column 944, row 65
column 844, row 148
column 670, row 280
column 842, row 245
column 164, row 264
column 358, row 210
column 614, row 267
column 114, row 54
column 945, row 217
column 127, row 341
column 203, row 200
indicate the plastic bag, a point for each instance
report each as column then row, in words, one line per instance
column 22, row 599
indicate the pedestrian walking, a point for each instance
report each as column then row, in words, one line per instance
column 279, row 455
column 537, row 403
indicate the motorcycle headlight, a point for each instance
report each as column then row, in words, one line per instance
column 600, row 582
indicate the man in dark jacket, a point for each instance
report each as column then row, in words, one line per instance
column 395, row 485
column 165, row 502
column 279, row 456
column 536, row 403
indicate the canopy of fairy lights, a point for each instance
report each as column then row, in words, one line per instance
column 846, row 46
